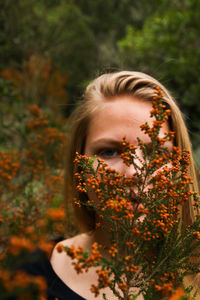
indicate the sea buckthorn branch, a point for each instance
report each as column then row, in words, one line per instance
column 149, row 249
column 158, row 226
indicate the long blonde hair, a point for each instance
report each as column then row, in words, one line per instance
column 104, row 88
column 100, row 90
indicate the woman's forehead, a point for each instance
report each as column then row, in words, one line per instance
column 121, row 116
column 123, row 108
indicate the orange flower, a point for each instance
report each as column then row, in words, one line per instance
column 78, row 267
column 59, row 248
column 178, row 294
column 94, row 289
column 47, row 247
column 103, row 279
column 123, row 286
column 56, row 214
column 17, row 244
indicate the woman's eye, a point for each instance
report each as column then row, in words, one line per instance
column 108, row 153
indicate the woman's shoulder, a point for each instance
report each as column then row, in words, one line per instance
column 58, row 258
column 75, row 240
column 63, row 267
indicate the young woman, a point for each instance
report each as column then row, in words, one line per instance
column 114, row 105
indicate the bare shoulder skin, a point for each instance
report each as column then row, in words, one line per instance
column 79, row 283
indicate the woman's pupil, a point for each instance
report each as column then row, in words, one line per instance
column 110, row 152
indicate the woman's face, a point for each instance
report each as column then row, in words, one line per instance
column 120, row 117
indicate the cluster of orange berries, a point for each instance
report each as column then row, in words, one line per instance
column 12, row 282
column 94, row 289
column 95, row 255
column 38, row 119
column 83, row 259
column 9, row 165
column 31, row 175
column 56, row 214
column 179, row 294
column 39, row 81
column 18, row 244
column 161, row 190
column 166, row 286
column 113, row 250
column 127, row 152
column 103, row 278
column 123, row 286
column 45, row 144
column 31, row 182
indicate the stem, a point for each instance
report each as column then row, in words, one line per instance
column 179, row 241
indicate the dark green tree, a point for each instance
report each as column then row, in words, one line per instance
column 167, row 47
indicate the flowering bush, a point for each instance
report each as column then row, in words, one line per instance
column 150, row 248
column 38, row 82
column 32, row 211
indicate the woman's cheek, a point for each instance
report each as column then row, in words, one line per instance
column 150, row 186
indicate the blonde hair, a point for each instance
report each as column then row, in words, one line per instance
column 104, row 88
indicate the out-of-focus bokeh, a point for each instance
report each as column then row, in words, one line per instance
column 49, row 51
column 85, row 38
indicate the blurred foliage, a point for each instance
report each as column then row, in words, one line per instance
column 85, row 38
column 49, row 50
column 32, row 210
column 80, row 37
column 38, row 82
column 167, row 47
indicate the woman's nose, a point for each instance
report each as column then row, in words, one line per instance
column 135, row 167
column 128, row 171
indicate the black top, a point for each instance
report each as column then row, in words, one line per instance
column 40, row 265
column 56, row 288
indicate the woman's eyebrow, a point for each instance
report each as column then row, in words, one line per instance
column 116, row 142
column 106, row 141
column 167, row 144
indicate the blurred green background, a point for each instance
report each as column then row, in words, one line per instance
column 49, row 51
column 52, row 48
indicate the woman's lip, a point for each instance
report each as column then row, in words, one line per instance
column 132, row 195
column 133, row 198
column 135, row 206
